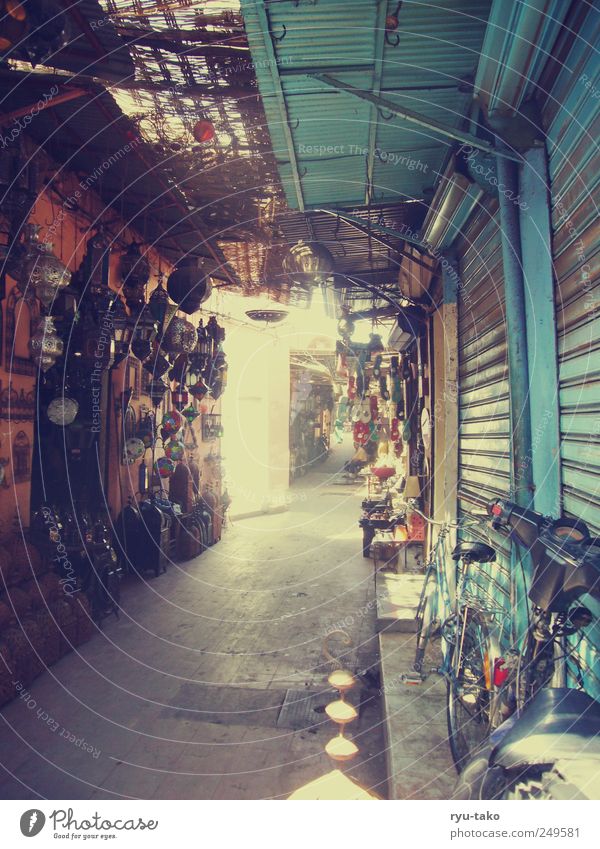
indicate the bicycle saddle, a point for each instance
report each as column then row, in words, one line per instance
column 476, row 552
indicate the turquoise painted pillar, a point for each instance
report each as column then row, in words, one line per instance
column 522, row 487
column 542, row 357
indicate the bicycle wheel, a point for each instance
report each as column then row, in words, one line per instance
column 469, row 687
column 427, row 621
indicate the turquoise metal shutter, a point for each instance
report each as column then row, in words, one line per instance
column 572, row 122
column 484, row 422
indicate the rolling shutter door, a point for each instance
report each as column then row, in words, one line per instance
column 484, row 420
column 572, row 122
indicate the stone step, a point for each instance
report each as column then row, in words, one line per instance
column 397, row 597
column 418, row 758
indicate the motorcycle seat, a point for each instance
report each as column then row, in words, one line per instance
column 557, row 723
column 475, row 552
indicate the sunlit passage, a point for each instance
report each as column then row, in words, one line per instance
column 300, row 420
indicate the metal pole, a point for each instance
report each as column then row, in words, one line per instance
column 516, row 335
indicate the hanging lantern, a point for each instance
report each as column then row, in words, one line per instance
column 116, row 315
column 62, row 410
column 174, row 449
column 156, row 389
column 156, row 364
column 204, row 131
column 134, row 268
column 308, row 264
column 144, row 332
column 171, row 422
column 179, row 337
column 164, row 467
column 189, row 285
column 180, row 398
column 198, row 389
column 145, row 431
column 179, row 370
column 158, row 302
column 41, row 270
column 134, row 449
column 190, row 414
column 45, row 346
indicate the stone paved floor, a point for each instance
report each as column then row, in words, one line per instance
column 180, row 697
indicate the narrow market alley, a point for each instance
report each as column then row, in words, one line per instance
column 183, row 693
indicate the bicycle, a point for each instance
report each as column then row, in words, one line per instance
column 470, row 634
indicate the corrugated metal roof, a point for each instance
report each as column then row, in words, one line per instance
column 429, row 71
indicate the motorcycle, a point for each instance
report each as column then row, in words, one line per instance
column 549, row 746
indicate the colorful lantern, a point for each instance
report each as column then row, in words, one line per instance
column 174, row 449
column 171, row 422
column 204, row 131
column 190, row 413
column 134, row 448
column 164, row 467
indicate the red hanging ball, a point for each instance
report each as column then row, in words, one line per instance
column 204, row 131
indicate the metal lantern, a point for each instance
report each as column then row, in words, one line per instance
column 41, row 269
column 144, row 333
column 156, row 389
column 62, row 410
column 156, row 364
column 158, row 302
column 180, row 336
column 180, row 398
column 116, row 315
column 198, row 389
column 134, row 268
column 45, row 346
column 189, row 285
column 308, row 264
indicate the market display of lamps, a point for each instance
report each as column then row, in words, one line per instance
column 45, row 346
column 308, row 264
